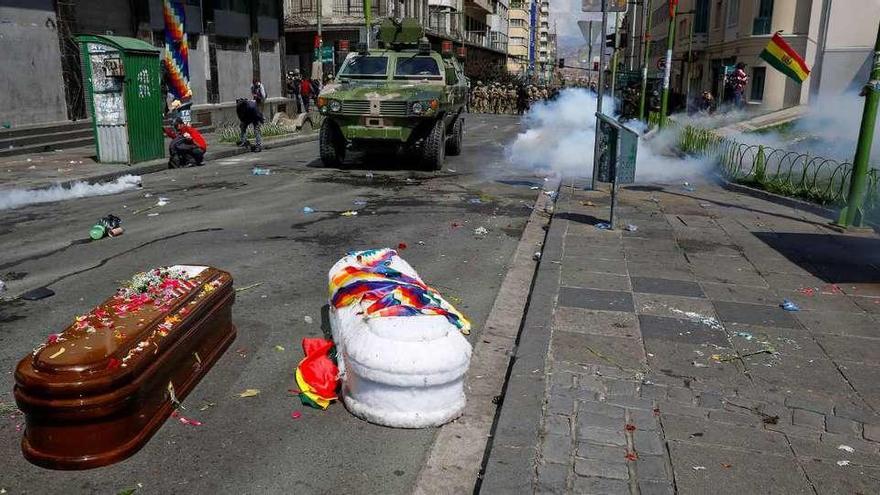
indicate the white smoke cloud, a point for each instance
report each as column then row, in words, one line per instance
column 560, row 136
column 16, row 198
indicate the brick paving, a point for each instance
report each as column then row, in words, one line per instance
column 659, row 360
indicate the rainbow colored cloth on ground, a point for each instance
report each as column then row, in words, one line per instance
column 317, row 374
column 388, row 292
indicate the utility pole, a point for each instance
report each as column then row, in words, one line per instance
column 632, row 35
column 368, row 14
column 614, row 56
column 687, row 97
column 601, row 91
column 852, row 214
column 646, row 42
column 670, row 43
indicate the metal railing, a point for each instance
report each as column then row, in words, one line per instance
column 355, row 8
column 301, row 6
column 790, row 173
column 761, row 26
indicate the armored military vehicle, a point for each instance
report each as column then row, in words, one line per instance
column 402, row 95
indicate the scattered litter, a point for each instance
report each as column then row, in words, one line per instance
column 37, row 294
column 699, row 468
column 260, row 171
column 726, row 466
column 2, row 287
column 32, row 167
column 248, row 287
column 697, row 317
column 846, row 448
column 109, row 225
column 308, row 319
column 630, row 427
column 148, row 195
column 705, row 205
column 452, row 170
column 789, row 306
column 455, row 225
column 162, row 202
column 359, row 202
column 603, row 226
column 589, row 203
column 296, row 415
column 843, row 463
column 251, row 392
column 185, row 420
column 536, row 256
column 697, row 364
column 534, row 188
column 631, row 456
column 402, row 245
column 369, row 175
column 481, row 231
column 308, row 209
column 807, row 291
column 631, row 228
column 349, row 213
column 279, row 348
column 475, row 201
column 206, row 406
column 152, row 214
column 688, row 187
column 550, row 194
column 745, row 335
column 421, row 243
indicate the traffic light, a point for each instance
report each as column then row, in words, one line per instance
column 609, row 41
column 561, row 63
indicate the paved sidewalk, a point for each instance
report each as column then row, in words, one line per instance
column 659, row 361
column 41, row 170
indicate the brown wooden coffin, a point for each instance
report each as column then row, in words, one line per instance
column 95, row 393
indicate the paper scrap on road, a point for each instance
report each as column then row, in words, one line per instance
column 16, row 198
column 251, row 392
column 846, row 448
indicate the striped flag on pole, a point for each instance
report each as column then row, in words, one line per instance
column 783, row 58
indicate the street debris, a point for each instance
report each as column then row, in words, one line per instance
column 296, row 415
column 308, row 209
column 279, row 348
column 152, row 214
column 536, row 256
column 726, row 466
column 631, row 228
column 475, row 201
column 603, row 226
column 308, row 319
column 348, row 213
column 789, row 305
column 207, row 405
column 250, row 392
column 843, row 463
column 108, row 225
column 260, row 171
column 688, row 187
column 534, row 188
column 631, row 456
column 185, row 420
column 2, row 287
column 699, row 468
column 359, row 202
column 402, row 245
column 162, row 201
column 846, row 448
column 481, row 231
column 37, row 294
column 705, row 205
column 248, row 287
column 369, row 175
column 551, row 194
column 589, row 203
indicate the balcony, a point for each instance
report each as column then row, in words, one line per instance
column 761, row 26
column 446, row 24
column 304, row 13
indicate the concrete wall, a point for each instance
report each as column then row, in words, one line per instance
column 101, row 16
column 198, row 69
column 270, row 72
column 235, row 72
column 33, row 88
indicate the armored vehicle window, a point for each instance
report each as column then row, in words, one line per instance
column 365, row 67
column 417, row 68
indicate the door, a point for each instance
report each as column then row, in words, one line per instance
column 107, row 101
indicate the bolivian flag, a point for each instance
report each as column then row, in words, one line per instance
column 784, row 59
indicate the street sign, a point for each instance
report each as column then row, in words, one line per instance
column 618, row 147
column 610, row 5
column 592, row 31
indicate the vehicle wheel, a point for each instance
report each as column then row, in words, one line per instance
column 331, row 144
column 454, row 143
column 434, row 147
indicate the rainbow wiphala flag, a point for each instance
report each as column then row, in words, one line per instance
column 176, row 59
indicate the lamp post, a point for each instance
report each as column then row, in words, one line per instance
column 646, row 42
column 670, row 44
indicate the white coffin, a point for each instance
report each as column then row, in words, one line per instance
column 405, row 371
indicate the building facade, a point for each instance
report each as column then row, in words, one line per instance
column 835, row 37
column 230, row 43
column 479, row 25
column 519, row 37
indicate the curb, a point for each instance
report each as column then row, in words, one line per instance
column 159, row 165
column 453, row 464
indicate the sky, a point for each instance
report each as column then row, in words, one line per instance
column 566, row 14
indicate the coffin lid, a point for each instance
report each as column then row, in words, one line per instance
column 82, row 354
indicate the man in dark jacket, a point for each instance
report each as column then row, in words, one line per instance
column 249, row 115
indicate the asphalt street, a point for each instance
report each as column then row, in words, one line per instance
column 255, row 228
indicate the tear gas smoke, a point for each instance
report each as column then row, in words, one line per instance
column 560, row 136
column 15, row 198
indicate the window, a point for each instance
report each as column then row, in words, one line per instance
column 732, row 13
column 231, row 44
column 764, row 15
column 701, row 17
column 717, row 15
column 517, row 40
column 267, row 46
column 682, row 29
column 517, row 4
column 759, row 74
column 365, row 67
column 417, row 68
column 518, row 23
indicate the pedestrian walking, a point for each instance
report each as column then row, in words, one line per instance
column 258, row 92
column 305, row 92
column 187, row 147
column 738, row 81
column 249, row 114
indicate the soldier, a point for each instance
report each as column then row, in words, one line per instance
column 510, row 99
column 495, row 98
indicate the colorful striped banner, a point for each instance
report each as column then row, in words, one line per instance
column 176, row 49
column 783, row 58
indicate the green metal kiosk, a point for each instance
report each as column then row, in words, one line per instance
column 124, row 97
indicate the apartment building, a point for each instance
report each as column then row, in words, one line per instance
column 479, row 25
column 835, row 37
column 544, row 52
column 519, row 38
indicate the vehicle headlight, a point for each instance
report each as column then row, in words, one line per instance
column 335, row 106
column 417, row 108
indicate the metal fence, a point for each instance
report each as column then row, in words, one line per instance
column 790, row 173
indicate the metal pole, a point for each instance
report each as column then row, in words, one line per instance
column 590, row 50
column 614, row 56
column 853, row 215
column 368, row 14
column 670, row 43
column 687, row 97
column 646, row 39
column 601, row 92
column 632, row 35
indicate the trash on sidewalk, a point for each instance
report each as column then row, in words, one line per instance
column 152, row 214
column 359, row 202
column 349, row 213
column 481, row 231
column 250, row 392
column 308, row 209
column 688, row 187
column 536, row 256
column 550, row 194
column 699, row 468
column 475, row 201
column 308, row 319
column 846, row 448
column 534, row 188
column 248, row 287
column 185, row 420
column 162, row 201
column 603, row 226
column 296, row 415
column 369, row 175
column 789, row 305
column 705, row 205
column 589, row 203
column 631, row 228
column 260, row 171
column 843, row 463
column 37, row 294
column 108, row 225
column 279, row 348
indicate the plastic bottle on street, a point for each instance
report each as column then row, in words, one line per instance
column 260, row 171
